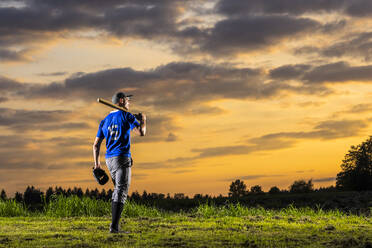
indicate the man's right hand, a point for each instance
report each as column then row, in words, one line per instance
column 97, row 166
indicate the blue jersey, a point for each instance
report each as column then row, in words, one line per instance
column 116, row 129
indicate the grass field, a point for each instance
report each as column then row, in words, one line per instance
column 205, row 226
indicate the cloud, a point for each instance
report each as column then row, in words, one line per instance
column 171, row 137
column 160, row 128
column 289, row 72
column 324, row 179
column 7, row 55
column 357, row 45
column 52, row 74
column 357, row 8
column 250, row 33
column 250, row 177
column 248, row 26
column 338, row 72
column 326, row 130
column 20, row 120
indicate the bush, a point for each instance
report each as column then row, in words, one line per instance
column 301, row 186
column 11, row 208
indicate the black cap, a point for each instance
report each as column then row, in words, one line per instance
column 117, row 96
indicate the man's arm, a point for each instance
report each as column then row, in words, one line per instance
column 141, row 129
column 96, row 149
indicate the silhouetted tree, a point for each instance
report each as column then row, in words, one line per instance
column 3, row 195
column 49, row 193
column 87, row 193
column 94, row 194
column 257, row 189
column 79, row 192
column 18, row 197
column 356, row 168
column 144, row 195
column 33, row 198
column 237, row 189
column 179, row 196
column 102, row 195
column 274, row 190
column 301, row 186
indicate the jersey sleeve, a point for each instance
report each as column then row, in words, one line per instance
column 133, row 121
column 100, row 131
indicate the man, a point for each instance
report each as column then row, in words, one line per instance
column 116, row 129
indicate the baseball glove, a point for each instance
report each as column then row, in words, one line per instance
column 100, row 176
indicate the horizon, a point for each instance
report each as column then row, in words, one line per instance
column 266, row 92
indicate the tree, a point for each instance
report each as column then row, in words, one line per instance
column 237, row 189
column 257, row 189
column 356, row 168
column 301, row 186
column 49, row 193
column 3, row 195
column 18, row 197
column 33, row 198
column 274, row 190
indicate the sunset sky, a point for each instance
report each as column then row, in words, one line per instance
column 266, row 91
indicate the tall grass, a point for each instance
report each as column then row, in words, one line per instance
column 61, row 206
column 11, row 208
column 237, row 210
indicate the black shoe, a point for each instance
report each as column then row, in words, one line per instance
column 113, row 230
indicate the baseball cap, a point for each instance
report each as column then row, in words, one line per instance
column 117, row 96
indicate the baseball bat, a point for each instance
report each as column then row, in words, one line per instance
column 107, row 103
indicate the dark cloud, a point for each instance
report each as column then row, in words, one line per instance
column 355, row 8
column 243, row 29
column 338, row 72
column 353, row 45
column 7, row 55
column 289, row 71
column 251, row 177
column 249, row 33
column 20, row 119
column 7, row 84
column 187, row 87
column 36, row 20
column 359, row 8
column 324, row 179
column 52, row 74
column 171, row 86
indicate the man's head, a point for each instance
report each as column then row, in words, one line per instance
column 121, row 99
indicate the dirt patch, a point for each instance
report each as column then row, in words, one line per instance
column 174, row 242
column 83, row 245
column 346, row 243
column 101, row 228
column 5, row 240
column 250, row 244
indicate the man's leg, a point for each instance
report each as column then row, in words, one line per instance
column 121, row 175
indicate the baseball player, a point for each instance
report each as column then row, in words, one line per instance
column 116, row 128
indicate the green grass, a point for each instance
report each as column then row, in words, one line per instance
column 74, row 222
